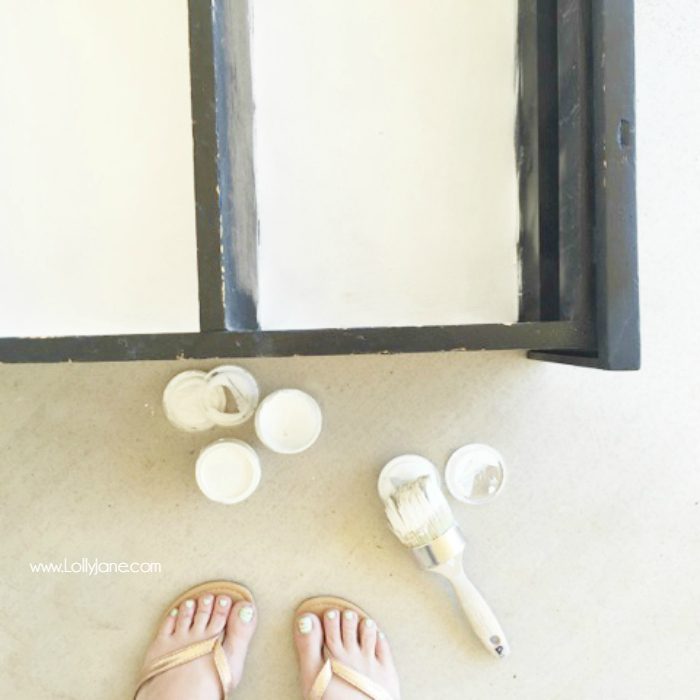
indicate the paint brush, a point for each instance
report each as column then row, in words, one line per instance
column 422, row 519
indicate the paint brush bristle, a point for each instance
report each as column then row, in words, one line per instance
column 419, row 513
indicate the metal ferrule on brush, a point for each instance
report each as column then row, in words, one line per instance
column 442, row 550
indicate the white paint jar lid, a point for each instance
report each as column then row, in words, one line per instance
column 228, row 471
column 288, row 421
column 402, row 470
column 241, row 385
column 186, row 398
column 475, row 474
column 195, row 401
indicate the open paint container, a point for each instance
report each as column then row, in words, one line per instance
column 195, row 401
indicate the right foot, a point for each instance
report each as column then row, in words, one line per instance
column 352, row 641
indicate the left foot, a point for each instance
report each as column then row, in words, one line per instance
column 194, row 621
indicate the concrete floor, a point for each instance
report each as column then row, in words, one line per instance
column 591, row 556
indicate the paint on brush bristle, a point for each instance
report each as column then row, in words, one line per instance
column 419, row 513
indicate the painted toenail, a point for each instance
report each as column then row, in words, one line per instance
column 189, row 604
column 306, row 624
column 370, row 624
column 207, row 599
column 246, row 614
column 349, row 615
column 332, row 614
column 382, row 635
column 173, row 612
column 224, row 602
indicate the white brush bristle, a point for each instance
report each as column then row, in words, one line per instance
column 419, row 513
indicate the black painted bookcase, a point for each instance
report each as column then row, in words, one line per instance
column 575, row 141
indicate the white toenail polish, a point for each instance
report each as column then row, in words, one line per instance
column 370, row 624
column 246, row 614
column 173, row 612
column 207, row 599
column 189, row 604
column 331, row 614
column 349, row 615
column 305, row 624
column 382, row 635
column 223, row 602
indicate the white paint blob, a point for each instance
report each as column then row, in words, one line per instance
column 385, row 162
column 228, row 471
column 288, row 421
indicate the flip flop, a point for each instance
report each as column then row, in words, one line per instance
column 318, row 606
column 208, row 646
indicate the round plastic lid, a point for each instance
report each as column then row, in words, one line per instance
column 228, row 471
column 288, row 421
column 475, row 474
column 186, row 398
column 241, row 385
column 402, row 470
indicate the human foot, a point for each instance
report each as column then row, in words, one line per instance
column 209, row 615
column 348, row 637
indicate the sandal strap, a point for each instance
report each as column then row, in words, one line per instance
column 187, row 654
column 333, row 667
column 223, row 669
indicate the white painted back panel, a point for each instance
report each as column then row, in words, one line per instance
column 385, row 162
column 97, row 218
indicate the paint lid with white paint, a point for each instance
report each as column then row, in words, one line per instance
column 475, row 474
column 228, row 471
column 288, row 421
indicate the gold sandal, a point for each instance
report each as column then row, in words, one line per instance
column 208, row 646
column 333, row 667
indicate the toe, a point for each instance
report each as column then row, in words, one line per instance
column 241, row 623
column 240, row 628
column 184, row 616
column 384, row 650
column 368, row 637
column 219, row 615
column 205, row 604
column 308, row 639
column 349, row 628
column 331, row 631
column 168, row 625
